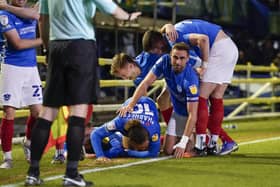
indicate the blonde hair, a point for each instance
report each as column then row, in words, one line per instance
column 119, row 61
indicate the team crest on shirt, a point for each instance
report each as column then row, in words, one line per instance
column 4, row 20
column 7, row 97
column 110, row 126
column 193, row 89
column 155, row 137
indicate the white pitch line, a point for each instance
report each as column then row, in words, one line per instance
column 259, row 141
column 138, row 163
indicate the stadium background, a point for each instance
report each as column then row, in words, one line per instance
column 253, row 24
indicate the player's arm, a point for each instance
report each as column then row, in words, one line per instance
column 202, row 41
column 18, row 43
column 23, row 12
column 112, row 8
column 96, row 138
column 141, row 90
column 44, row 29
column 170, row 32
column 153, row 151
column 190, row 124
column 120, row 14
column 116, row 149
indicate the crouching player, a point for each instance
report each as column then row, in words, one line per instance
column 140, row 130
column 182, row 83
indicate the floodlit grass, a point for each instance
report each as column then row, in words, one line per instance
column 253, row 165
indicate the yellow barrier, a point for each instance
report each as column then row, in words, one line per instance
column 248, row 67
column 102, row 61
column 273, row 80
column 129, row 83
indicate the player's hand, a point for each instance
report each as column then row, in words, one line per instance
column 171, row 32
column 3, row 4
column 179, row 152
column 134, row 15
column 180, row 147
column 200, row 71
column 122, row 111
column 36, row 6
column 103, row 160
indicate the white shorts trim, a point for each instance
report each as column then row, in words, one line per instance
column 222, row 59
column 20, row 86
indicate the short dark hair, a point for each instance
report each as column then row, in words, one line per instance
column 137, row 134
column 181, row 46
column 151, row 38
column 119, row 61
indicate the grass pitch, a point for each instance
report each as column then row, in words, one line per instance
column 255, row 164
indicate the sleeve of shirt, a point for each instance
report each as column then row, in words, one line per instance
column 43, row 7
column 97, row 136
column 107, row 6
column 194, row 60
column 192, row 92
column 6, row 22
column 184, row 38
column 153, row 151
column 116, row 149
column 157, row 69
column 137, row 81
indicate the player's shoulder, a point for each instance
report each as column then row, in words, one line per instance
column 145, row 99
column 4, row 12
column 164, row 58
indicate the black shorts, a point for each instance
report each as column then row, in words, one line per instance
column 72, row 73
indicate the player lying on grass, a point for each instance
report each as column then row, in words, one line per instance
column 140, row 132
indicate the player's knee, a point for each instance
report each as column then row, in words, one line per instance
column 168, row 150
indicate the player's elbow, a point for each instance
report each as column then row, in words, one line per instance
column 18, row 46
column 203, row 40
column 36, row 16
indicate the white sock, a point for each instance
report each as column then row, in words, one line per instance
column 59, row 152
column 27, row 142
column 8, row 155
column 213, row 141
column 200, row 141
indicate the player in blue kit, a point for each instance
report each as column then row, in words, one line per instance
column 140, row 129
column 20, row 84
column 126, row 67
column 219, row 55
column 182, row 83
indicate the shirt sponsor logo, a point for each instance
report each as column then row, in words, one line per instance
column 193, row 89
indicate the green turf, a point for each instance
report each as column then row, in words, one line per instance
column 252, row 165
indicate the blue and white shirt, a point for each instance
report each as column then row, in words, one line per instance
column 183, row 87
column 186, row 27
column 146, row 60
column 146, row 112
column 26, row 29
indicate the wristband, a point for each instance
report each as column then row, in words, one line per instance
column 204, row 64
column 183, row 142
